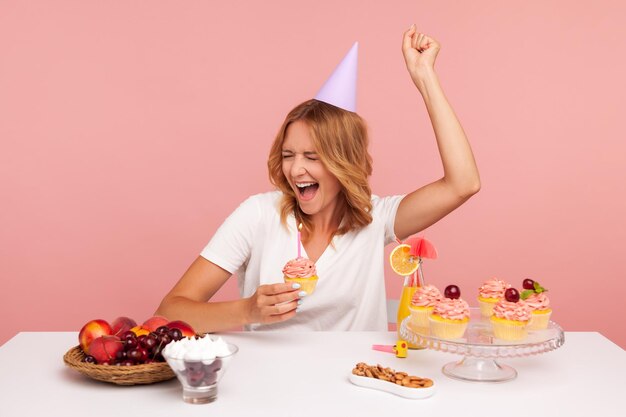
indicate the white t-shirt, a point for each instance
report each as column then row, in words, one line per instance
column 350, row 291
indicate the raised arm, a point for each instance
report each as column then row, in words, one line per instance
column 187, row 301
column 428, row 204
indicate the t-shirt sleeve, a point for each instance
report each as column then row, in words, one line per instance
column 385, row 208
column 231, row 245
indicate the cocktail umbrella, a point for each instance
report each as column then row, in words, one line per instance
column 421, row 248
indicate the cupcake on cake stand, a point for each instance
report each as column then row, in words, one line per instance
column 481, row 350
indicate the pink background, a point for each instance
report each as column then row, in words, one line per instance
column 129, row 131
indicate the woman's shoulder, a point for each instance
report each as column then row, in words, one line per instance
column 267, row 202
column 270, row 198
column 379, row 202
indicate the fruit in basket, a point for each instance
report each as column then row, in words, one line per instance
column 122, row 324
column 154, row 323
column 185, row 328
column 104, row 348
column 91, row 331
column 140, row 331
column 125, row 343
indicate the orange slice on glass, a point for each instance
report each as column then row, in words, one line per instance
column 402, row 262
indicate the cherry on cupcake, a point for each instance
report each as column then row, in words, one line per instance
column 511, row 295
column 452, row 291
column 528, row 284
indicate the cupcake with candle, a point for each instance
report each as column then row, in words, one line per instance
column 450, row 315
column 489, row 294
column 510, row 317
column 302, row 271
column 423, row 304
column 535, row 297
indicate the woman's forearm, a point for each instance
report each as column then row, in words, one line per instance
column 460, row 171
column 206, row 317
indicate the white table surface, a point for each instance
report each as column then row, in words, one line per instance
column 306, row 374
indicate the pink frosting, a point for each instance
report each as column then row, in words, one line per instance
column 300, row 268
column 426, row 296
column 538, row 301
column 451, row 309
column 493, row 288
column 512, row 311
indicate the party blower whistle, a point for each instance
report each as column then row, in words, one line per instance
column 399, row 349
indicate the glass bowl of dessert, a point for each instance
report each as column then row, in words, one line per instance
column 199, row 363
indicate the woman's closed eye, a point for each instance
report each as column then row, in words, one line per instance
column 311, row 156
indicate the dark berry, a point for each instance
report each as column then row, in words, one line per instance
column 175, row 334
column 162, row 330
column 130, row 343
column 528, row 284
column 511, row 295
column 128, row 335
column 452, row 291
column 194, row 378
column 134, row 354
column 165, row 339
column 150, row 341
column 89, row 359
column 194, row 366
column 144, row 354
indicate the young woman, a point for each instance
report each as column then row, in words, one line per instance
column 320, row 165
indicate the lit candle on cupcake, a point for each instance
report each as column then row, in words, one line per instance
column 301, row 270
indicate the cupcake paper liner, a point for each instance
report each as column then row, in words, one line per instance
column 486, row 306
column 419, row 316
column 539, row 319
column 306, row 284
column 509, row 329
column 447, row 329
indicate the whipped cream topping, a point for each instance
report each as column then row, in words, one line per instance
column 512, row 311
column 203, row 349
column 426, row 296
column 538, row 301
column 300, row 268
column 493, row 288
column 453, row 309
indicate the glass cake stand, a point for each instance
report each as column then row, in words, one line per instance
column 481, row 348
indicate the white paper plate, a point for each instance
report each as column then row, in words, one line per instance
column 412, row 393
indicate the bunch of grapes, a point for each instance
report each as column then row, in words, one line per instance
column 142, row 349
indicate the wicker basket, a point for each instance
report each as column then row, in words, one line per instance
column 121, row 375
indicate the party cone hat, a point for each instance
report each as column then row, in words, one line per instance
column 340, row 88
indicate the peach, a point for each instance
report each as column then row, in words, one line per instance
column 104, row 348
column 154, row 323
column 140, row 330
column 122, row 324
column 92, row 330
column 185, row 328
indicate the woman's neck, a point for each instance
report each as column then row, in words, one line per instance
column 327, row 223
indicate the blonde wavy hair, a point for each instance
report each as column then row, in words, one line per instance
column 340, row 139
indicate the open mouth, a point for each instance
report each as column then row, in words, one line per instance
column 307, row 190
